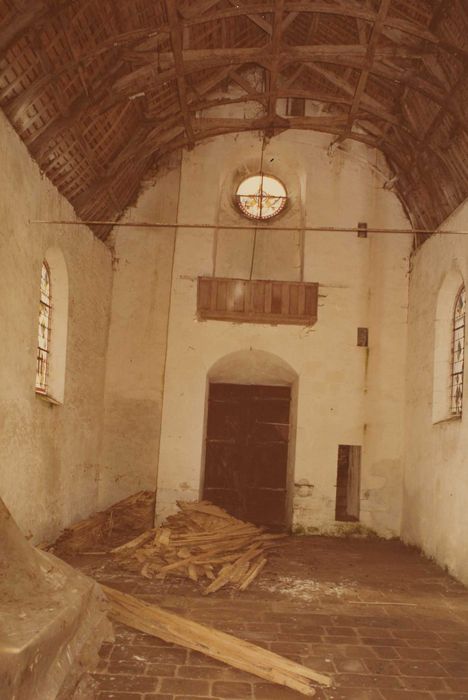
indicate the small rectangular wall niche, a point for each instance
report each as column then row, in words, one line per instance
column 363, row 337
column 348, row 483
column 362, row 229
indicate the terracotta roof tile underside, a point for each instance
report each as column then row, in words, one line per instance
column 101, row 90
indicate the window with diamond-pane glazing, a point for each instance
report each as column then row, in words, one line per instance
column 43, row 336
column 458, row 353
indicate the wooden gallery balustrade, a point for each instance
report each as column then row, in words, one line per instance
column 257, row 301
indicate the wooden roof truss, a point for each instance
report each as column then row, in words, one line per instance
column 101, row 90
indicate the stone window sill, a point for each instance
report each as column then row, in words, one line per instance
column 449, row 419
column 48, row 399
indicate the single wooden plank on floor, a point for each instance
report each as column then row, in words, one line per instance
column 236, row 652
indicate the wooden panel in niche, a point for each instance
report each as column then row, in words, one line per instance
column 348, row 483
column 257, row 301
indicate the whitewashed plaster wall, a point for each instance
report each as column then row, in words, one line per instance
column 48, row 454
column 137, row 344
column 435, row 513
column 345, row 394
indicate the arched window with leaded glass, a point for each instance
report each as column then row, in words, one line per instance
column 458, row 352
column 53, row 327
column 43, row 335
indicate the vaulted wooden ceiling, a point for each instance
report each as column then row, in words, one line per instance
column 101, row 90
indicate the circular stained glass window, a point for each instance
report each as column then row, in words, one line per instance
column 261, row 197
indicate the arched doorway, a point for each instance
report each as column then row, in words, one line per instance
column 250, row 431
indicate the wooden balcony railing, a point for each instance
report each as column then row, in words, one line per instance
column 257, row 301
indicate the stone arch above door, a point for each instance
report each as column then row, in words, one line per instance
column 252, row 366
column 248, row 459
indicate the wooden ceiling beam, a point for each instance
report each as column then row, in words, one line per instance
column 169, row 137
column 263, row 23
column 205, row 127
column 313, row 95
column 440, row 7
column 100, row 186
column 203, row 124
column 195, row 14
column 198, row 8
column 289, row 80
column 203, row 88
column 23, row 18
column 292, row 53
column 136, row 147
column 345, row 8
column 333, row 124
column 353, row 56
column 180, row 142
column 117, row 14
column 40, row 141
column 177, row 50
column 275, row 53
column 256, row 19
column 32, row 12
column 67, row 122
column 111, row 42
column 424, row 142
column 288, row 20
column 309, row 39
column 370, row 103
column 73, row 51
column 164, row 69
column 100, row 102
column 342, row 9
column 263, row 98
column 242, row 82
column 368, row 61
column 362, row 31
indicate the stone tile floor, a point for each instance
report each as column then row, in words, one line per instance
column 382, row 620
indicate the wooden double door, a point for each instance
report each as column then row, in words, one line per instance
column 246, row 462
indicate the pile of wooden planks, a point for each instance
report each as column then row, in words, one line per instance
column 201, row 542
column 131, row 515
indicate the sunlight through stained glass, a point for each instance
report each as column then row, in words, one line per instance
column 261, row 197
column 43, row 336
column 458, row 352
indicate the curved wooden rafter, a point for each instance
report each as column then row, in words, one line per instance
column 163, row 68
column 343, row 9
column 126, row 87
column 36, row 11
column 162, row 141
